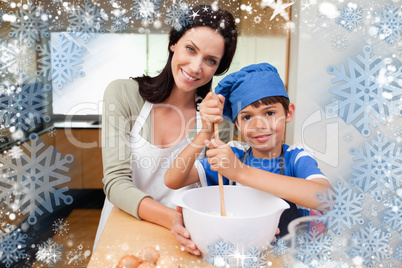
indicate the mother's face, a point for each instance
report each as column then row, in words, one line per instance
column 196, row 57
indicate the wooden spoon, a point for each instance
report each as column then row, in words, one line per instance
column 223, row 209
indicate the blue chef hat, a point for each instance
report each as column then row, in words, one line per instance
column 250, row 84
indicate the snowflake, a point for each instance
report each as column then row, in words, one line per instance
column 399, row 51
column 279, row 247
column 121, row 23
column 157, row 24
column 32, row 183
column 313, row 247
column 398, row 253
column 86, row 21
column 52, row 132
column 12, row 246
column 373, row 210
column 398, row 132
column 257, row 19
column 2, row 13
column 49, row 252
column 367, row 92
column 25, row 101
column 57, row 2
column 389, row 23
column 350, row 17
column 393, row 214
column 380, row 168
column 343, row 213
column 221, row 253
column 61, row 61
column 15, row 57
column 30, row 25
column 114, row 3
column 322, row 17
column 278, row 7
column 348, row 137
column 15, row 152
column 77, row 256
column 338, row 42
column 371, row 244
column 58, row 25
column 60, row 227
column 339, row 243
column 178, row 15
column 253, row 258
column 146, row 9
column 306, row 4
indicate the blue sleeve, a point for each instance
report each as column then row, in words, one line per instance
column 306, row 166
column 211, row 176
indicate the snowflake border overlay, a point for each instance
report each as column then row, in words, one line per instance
column 120, row 23
column 389, row 23
column 146, row 10
column 398, row 253
column 279, row 247
column 378, row 167
column 393, row 214
column 365, row 93
column 178, row 15
column 339, row 42
column 86, row 21
column 313, row 247
column 49, row 252
column 24, row 100
column 12, row 246
column 77, row 256
column 60, row 61
column 30, row 182
column 30, row 26
column 15, row 56
column 224, row 254
column 350, row 17
column 342, row 208
column 371, row 244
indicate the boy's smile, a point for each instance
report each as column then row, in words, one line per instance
column 263, row 128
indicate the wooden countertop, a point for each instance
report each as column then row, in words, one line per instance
column 124, row 234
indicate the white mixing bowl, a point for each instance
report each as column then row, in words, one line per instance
column 252, row 216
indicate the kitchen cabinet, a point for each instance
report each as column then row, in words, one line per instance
column 86, row 171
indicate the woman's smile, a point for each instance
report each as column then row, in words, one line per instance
column 188, row 76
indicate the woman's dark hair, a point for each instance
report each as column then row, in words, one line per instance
column 157, row 89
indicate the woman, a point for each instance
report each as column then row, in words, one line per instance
column 147, row 121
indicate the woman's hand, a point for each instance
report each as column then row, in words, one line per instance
column 222, row 159
column 211, row 109
column 182, row 235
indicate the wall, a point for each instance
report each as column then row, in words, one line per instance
column 347, row 89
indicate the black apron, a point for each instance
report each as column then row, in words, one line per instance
column 289, row 214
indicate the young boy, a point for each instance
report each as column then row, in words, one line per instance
column 257, row 102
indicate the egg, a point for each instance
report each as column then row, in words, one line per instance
column 149, row 254
column 128, row 261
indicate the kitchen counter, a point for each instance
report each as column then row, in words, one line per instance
column 124, row 234
column 7, row 142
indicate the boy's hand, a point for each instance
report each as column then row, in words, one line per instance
column 222, row 159
column 211, row 109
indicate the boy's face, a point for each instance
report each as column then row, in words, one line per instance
column 264, row 127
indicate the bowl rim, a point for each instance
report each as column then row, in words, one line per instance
column 286, row 205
